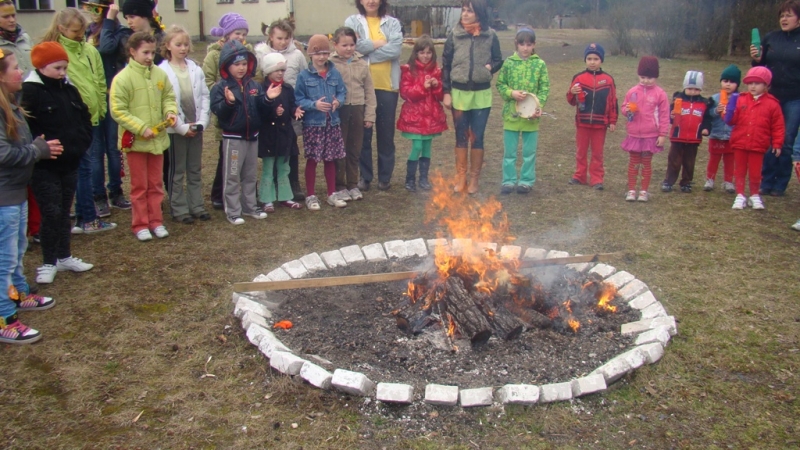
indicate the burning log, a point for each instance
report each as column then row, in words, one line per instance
column 470, row 320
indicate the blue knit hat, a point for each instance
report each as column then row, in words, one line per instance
column 596, row 49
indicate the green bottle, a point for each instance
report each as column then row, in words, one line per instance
column 755, row 40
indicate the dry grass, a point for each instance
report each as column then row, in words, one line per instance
column 131, row 338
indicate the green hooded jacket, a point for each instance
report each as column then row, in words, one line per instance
column 85, row 71
column 528, row 75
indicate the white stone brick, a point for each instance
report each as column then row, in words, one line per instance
column 487, row 246
column 476, row 397
column 642, row 301
column 620, row 279
column 260, row 278
column 286, row 363
column 354, row 383
column 459, row 245
column 438, row 394
column 588, row 385
column 278, row 275
column 316, row 375
column 646, row 324
column 433, row 243
column 652, row 352
column 313, row 262
column 604, row 270
column 255, row 333
column 352, row 253
column 250, row 317
column 295, row 269
column 613, row 370
column 270, row 344
column 395, row 393
column 417, row 247
column 580, row 267
column 396, row 249
column 556, row 254
column 654, row 310
column 556, row 391
column 535, row 253
column 635, row 357
column 510, row 251
column 333, row 258
column 244, row 305
column 519, row 394
column 632, row 290
column 374, row 252
column 660, row 335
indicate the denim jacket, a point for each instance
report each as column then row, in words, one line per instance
column 311, row 87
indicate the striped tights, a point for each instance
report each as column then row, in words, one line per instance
column 643, row 160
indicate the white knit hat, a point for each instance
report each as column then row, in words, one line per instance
column 271, row 62
column 693, row 79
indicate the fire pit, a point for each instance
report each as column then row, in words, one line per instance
column 467, row 323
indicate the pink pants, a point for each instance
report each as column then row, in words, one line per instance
column 747, row 163
column 584, row 138
column 147, row 190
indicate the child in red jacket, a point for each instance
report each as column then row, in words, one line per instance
column 691, row 120
column 422, row 116
column 594, row 94
column 757, row 123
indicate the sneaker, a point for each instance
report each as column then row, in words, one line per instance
column 217, row 205
column 631, row 196
column 643, row 196
column 756, row 202
column 256, row 215
column 796, row 225
column 523, row 189
column 506, row 189
column 291, row 204
column 77, row 229
column 72, row 264
column 236, row 220
column 334, row 200
column 161, row 232
column 97, row 225
column 144, row 235
column 312, row 203
column 739, row 202
column 574, row 182
column 46, row 274
column 729, row 188
column 598, row 187
column 35, row 303
column 185, row 219
column 709, row 186
column 12, row 331
column 204, row 216
column 356, row 194
column 686, row 189
column 363, row 184
column 120, row 202
column 666, row 187
column 36, row 239
column 269, row 207
column 384, row 186
column 102, row 208
column 344, row 194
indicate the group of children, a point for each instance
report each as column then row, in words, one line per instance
column 741, row 128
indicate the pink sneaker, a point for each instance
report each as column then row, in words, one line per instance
column 33, row 302
column 12, row 331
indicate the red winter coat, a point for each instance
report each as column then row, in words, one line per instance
column 757, row 124
column 600, row 105
column 422, row 111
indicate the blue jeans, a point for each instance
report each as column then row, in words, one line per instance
column 384, row 127
column 777, row 171
column 474, row 121
column 104, row 144
column 84, row 197
column 13, row 243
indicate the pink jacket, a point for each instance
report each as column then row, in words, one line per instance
column 651, row 120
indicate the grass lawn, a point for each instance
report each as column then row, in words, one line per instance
column 124, row 352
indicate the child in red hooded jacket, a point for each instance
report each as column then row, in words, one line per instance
column 758, row 125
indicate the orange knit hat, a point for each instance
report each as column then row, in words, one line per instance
column 47, row 53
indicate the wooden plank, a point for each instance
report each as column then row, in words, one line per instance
column 301, row 283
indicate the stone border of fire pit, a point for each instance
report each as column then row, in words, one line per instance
column 653, row 330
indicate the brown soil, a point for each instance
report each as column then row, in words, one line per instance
column 353, row 328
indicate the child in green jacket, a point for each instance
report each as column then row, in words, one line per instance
column 523, row 73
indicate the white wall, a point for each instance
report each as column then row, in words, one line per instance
column 321, row 16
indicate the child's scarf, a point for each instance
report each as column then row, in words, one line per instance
column 473, row 28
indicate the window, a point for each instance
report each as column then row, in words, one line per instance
column 224, row 1
column 180, row 5
column 250, row 1
column 72, row 3
column 34, row 5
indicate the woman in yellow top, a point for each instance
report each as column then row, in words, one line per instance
column 380, row 41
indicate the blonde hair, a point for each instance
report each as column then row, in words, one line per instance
column 172, row 32
column 13, row 123
column 64, row 18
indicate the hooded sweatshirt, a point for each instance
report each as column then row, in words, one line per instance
column 85, row 71
column 240, row 119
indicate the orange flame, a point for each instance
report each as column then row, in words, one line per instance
column 451, row 326
column 574, row 324
column 604, row 297
column 283, row 324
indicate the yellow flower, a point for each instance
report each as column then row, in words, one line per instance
column 160, row 85
column 2, row 55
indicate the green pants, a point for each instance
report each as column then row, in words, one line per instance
column 527, row 175
column 420, row 148
column 266, row 188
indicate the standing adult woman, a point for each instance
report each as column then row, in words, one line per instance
column 13, row 39
column 380, row 41
column 470, row 58
column 780, row 53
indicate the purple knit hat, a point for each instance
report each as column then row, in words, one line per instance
column 229, row 23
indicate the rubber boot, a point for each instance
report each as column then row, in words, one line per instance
column 476, row 164
column 424, row 166
column 297, row 192
column 461, row 170
column 411, row 175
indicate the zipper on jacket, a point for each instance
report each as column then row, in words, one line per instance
column 471, row 59
column 594, row 94
column 246, row 114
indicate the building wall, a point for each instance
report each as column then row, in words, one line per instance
column 321, row 17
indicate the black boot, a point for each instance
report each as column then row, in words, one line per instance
column 297, row 192
column 411, row 175
column 424, row 166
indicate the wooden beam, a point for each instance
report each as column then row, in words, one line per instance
column 301, row 283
